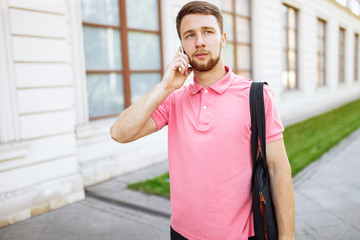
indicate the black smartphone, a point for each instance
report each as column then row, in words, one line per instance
column 183, row 51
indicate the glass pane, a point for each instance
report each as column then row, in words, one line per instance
column 244, row 74
column 292, row 39
column 342, row 35
column 321, row 46
column 227, row 5
column 292, row 59
column 242, row 30
column 142, row 14
column 322, row 61
column 228, row 26
column 105, row 94
column 319, row 80
column 292, row 18
column 144, row 51
column 285, row 38
column 292, row 79
column 288, row 79
column 142, row 83
column 285, row 15
column 242, row 7
column 228, row 55
column 356, row 55
column 243, row 57
column 102, row 48
column 320, row 29
column 285, row 60
column 101, row 12
column 284, row 79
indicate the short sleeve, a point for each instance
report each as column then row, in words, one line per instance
column 161, row 114
column 274, row 126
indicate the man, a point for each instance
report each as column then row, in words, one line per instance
column 209, row 136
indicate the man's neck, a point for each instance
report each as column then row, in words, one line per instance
column 206, row 79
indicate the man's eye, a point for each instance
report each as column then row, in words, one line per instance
column 208, row 32
column 190, row 36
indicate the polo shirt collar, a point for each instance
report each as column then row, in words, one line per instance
column 220, row 86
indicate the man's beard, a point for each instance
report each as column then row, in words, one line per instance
column 204, row 67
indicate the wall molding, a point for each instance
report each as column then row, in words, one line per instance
column 9, row 119
column 14, row 151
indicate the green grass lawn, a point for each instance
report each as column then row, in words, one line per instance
column 158, row 185
column 305, row 142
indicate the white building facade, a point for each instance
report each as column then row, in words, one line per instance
column 69, row 67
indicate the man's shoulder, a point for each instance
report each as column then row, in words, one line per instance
column 183, row 90
column 241, row 82
column 178, row 94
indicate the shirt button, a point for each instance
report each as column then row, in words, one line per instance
column 206, row 91
column 204, row 107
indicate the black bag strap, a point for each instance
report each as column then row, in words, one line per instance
column 258, row 130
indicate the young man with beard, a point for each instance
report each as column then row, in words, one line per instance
column 209, row 133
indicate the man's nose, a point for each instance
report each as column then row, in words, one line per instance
column 200, row 41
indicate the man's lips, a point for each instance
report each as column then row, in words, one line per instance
column 201, row 54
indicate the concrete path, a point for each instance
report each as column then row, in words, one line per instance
column 327, row 194
column 327, row 205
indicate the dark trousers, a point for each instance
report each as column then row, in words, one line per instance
column 176, row 236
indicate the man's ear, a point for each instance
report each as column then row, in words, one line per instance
column 223, row 40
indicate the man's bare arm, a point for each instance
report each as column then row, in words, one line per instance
column 136, row 122
column 281, row 188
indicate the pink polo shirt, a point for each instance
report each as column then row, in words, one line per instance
column 210, row 158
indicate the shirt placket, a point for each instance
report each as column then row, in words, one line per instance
column 205, row 110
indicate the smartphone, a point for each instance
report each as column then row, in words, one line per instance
column 183, row 51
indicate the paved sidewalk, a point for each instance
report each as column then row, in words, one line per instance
column 327, row 194
column 327, row 205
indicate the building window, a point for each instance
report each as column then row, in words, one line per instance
column 321, row 53
column 122, row 41
column 356, row 60
column 341, row 55
column 289, row 77
column 237, row 52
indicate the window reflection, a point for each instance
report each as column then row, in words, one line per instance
column 321, row 53
column 142, row 14
column 105, row 94
column 289, row 74
column 341, row 55
column 142, row 83
column 356, row 55
column 100, row 12
column 122, row 44
column 102, row 48
column 237, row 52
column 144, row 49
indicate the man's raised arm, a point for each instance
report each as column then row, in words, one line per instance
column 135, row 121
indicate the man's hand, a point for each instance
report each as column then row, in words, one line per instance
column 176, row 72
column 135, row 121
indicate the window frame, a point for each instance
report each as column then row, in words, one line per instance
column 126, row 71
column 237, row 43
column 321, row 56
column 288, row 50
column 341, row 55
column 356, row 57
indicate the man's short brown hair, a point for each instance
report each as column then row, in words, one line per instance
column 199, row 7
